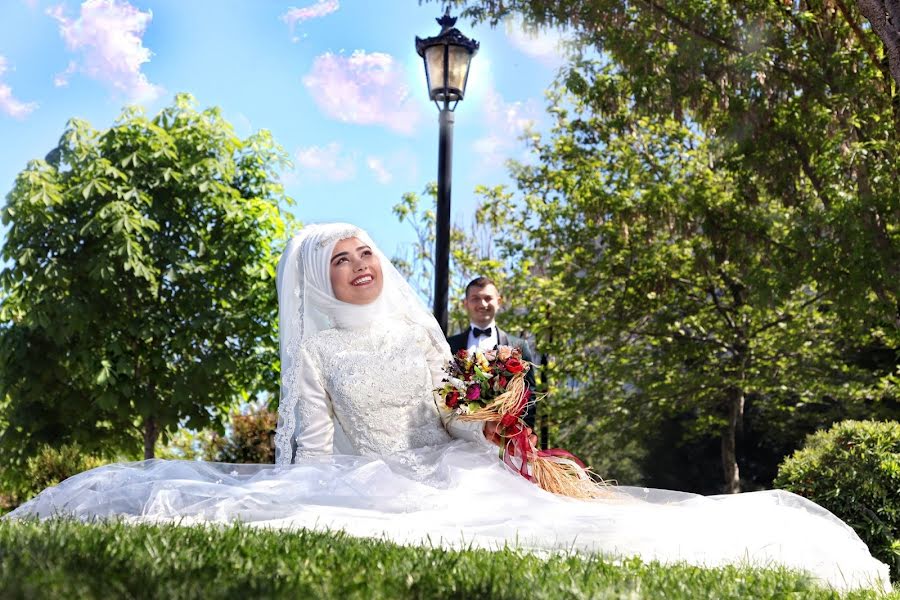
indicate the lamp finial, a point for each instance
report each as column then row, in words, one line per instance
column 446, row 22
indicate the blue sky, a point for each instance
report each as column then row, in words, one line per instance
column 338, row 82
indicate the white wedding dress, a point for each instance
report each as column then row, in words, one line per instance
column 374, row 456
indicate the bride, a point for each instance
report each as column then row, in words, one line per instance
column 362, row 445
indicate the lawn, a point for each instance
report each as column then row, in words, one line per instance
column 65, row 559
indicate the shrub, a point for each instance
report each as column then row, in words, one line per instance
column 853, row 470
column 252, row 437
column 248, row 438
column 190, row 444
column 52, row 465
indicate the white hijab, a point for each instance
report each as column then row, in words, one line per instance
column 306, row 302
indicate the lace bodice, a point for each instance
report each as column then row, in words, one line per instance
column 366, row 391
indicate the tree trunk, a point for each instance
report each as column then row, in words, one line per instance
column 151, row 433
column 729, row 441
column 884, row 17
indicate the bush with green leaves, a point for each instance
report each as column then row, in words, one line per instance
column 853, row 470
column 252, row 437
column 249, row 438
column 190, row 444
column 51, row 465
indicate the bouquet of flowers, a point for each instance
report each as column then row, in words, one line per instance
column 490, row 387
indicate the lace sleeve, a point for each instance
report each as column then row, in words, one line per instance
column 305, row 415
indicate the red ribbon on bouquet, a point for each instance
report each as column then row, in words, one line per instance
column 503, row 402
column 519, row 446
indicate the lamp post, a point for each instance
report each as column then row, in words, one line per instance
column 447, row 57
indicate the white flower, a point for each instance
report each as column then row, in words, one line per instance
column 458, row 384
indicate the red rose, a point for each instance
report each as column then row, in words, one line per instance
column 462, row 353
column 514, row 365
column 452, row 399
column 473, row 393
column 502, row 382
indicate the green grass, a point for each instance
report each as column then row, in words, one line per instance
column 65, row 559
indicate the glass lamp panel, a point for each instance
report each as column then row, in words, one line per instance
column 434, row 67
column 458, row 63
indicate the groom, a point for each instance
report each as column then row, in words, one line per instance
column 482, row 302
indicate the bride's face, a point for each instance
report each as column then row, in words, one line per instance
column 355, row 272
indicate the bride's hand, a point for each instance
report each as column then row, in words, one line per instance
column 492, row 434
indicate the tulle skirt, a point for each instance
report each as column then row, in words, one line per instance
column 460, row 495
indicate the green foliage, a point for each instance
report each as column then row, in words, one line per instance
column 722, row 181
column 472, row 253
column 139, row 287
column 65, row 559
column 853, row 470
column 251, row 439
column 189, row 444
column 800, row 103
column 46, row 468
column 52, row 465
column 664, row 287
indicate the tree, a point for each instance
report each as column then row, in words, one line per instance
column 662, row 285
column 471, row 253
column 798, row 95
column 139, row 288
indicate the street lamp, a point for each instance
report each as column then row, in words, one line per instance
column 447, row 57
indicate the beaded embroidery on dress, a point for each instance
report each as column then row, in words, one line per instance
column 387, row 410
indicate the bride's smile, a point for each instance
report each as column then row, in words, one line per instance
column 355, row 272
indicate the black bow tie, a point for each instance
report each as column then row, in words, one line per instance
column 481, row 332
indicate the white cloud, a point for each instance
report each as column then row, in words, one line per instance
column 315, row 11
column 544, row 44
column 108, row 35
column 62, row 79
column 367, row 89
column 9, row 104
column 326, row 162
column 376, row 165
column 505, row 122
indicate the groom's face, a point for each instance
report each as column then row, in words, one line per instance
column 355, row 272
column 482, row 304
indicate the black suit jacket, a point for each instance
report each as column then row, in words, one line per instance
column 461, row 341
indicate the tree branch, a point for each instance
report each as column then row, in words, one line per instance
column 866, row 44
column 683, row 336
column 691, row 28
column 788, row 317
column 703, row 35
column 721, row 309
column 806, row 165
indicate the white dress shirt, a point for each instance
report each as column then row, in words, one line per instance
column 483, row 342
